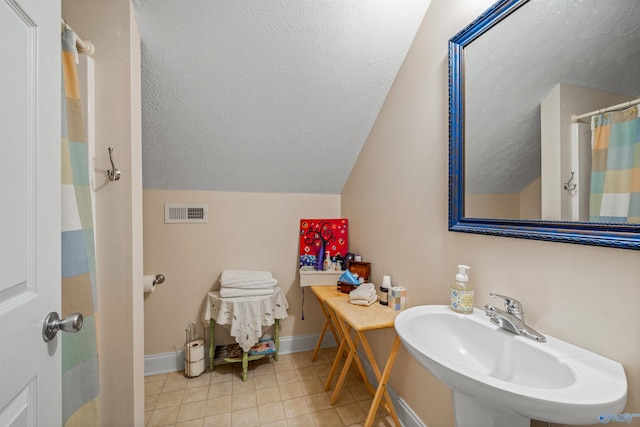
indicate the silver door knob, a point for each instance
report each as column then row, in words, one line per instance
column 53, row 323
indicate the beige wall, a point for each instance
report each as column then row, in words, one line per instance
column 256, row 231
column 110, row 26
column 396, row 201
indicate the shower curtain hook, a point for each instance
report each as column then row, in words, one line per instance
column 113, row 173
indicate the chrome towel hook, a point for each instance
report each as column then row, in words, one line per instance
column 113, row 173
column 568, row 185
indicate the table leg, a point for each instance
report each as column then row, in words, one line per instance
column 336, row 321
column 352, row 357
column 334, row 366
column 327, row 324
column 382, row 387
column 212, row 346
column 245, row 365
column 277, row 336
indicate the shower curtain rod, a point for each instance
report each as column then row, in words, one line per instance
column 83, row 46
column 575, row 118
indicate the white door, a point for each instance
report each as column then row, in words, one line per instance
column 30, row 369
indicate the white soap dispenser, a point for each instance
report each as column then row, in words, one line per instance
column 462, row 292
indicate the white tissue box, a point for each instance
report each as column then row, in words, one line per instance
column 397, row 298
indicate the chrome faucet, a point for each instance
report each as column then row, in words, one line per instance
column 512, row 319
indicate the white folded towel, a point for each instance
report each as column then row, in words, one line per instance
column 247, row 279
column 232, row 275
column 365, row 294
column 251, row 284
column 233, row 292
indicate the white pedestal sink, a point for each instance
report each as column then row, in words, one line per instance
column 501, row 379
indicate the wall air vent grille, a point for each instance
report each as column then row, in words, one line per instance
column 185, row 214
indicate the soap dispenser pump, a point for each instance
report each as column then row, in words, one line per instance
column 462, row 292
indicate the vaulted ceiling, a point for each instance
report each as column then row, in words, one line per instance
column 265, row 95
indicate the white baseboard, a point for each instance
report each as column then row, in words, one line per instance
column 163, row 363
column 155, row 364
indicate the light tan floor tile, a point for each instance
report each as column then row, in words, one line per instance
column 283, row 366
column 150, row 402
column 263, row 369
column 203, row 379
column 351, row 414
column 173, row 384
column 265, row 381
column 284, row 357
column 286, row 377
column 163, row 417
column 268, row 395
column 323, row 370
column 321, row 359
column 270, row 413
column 147, row 417
column 219, row 420
column 359, row 392
column 237, row 373
column 154, row 378
column 245, row 418
column 221, row 374
column 301, row 421
column 218, row 405
column 344, row 397
column 295, row 407
column 243, row 386
column 352, row 378
column 318, row 402
column 195, row 394
column 365, row 405
column 300, row 363
column 153, row 388
column 312, row 386
column 290, row 391
column 171, row 398
column 384, row 422
column 192, row 423
column 306, row 374
column 243, row 400
column 220, row 389
column 191, row 411
column 327, row 418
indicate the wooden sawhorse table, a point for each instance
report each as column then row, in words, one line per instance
column 361, row 319
column 322, row 292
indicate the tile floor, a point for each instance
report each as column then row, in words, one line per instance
column 286, row 393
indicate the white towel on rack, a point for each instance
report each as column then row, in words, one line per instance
column 233, row 292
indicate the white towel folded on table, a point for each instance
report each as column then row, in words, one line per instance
column 365, row 294
column 233, row 292
column 247, row 279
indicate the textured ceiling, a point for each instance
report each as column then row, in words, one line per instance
column 265, row 95
column 511, row 68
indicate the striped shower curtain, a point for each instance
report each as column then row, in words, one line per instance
column 615, row 169
column 80, row 386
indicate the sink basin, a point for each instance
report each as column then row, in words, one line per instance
column 501, row 379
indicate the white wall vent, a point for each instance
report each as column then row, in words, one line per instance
column 185, row 214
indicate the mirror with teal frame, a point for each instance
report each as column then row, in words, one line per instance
column 616, row 235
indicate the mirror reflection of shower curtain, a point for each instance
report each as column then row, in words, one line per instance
column 615, row 171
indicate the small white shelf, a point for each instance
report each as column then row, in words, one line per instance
column 313, row 278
